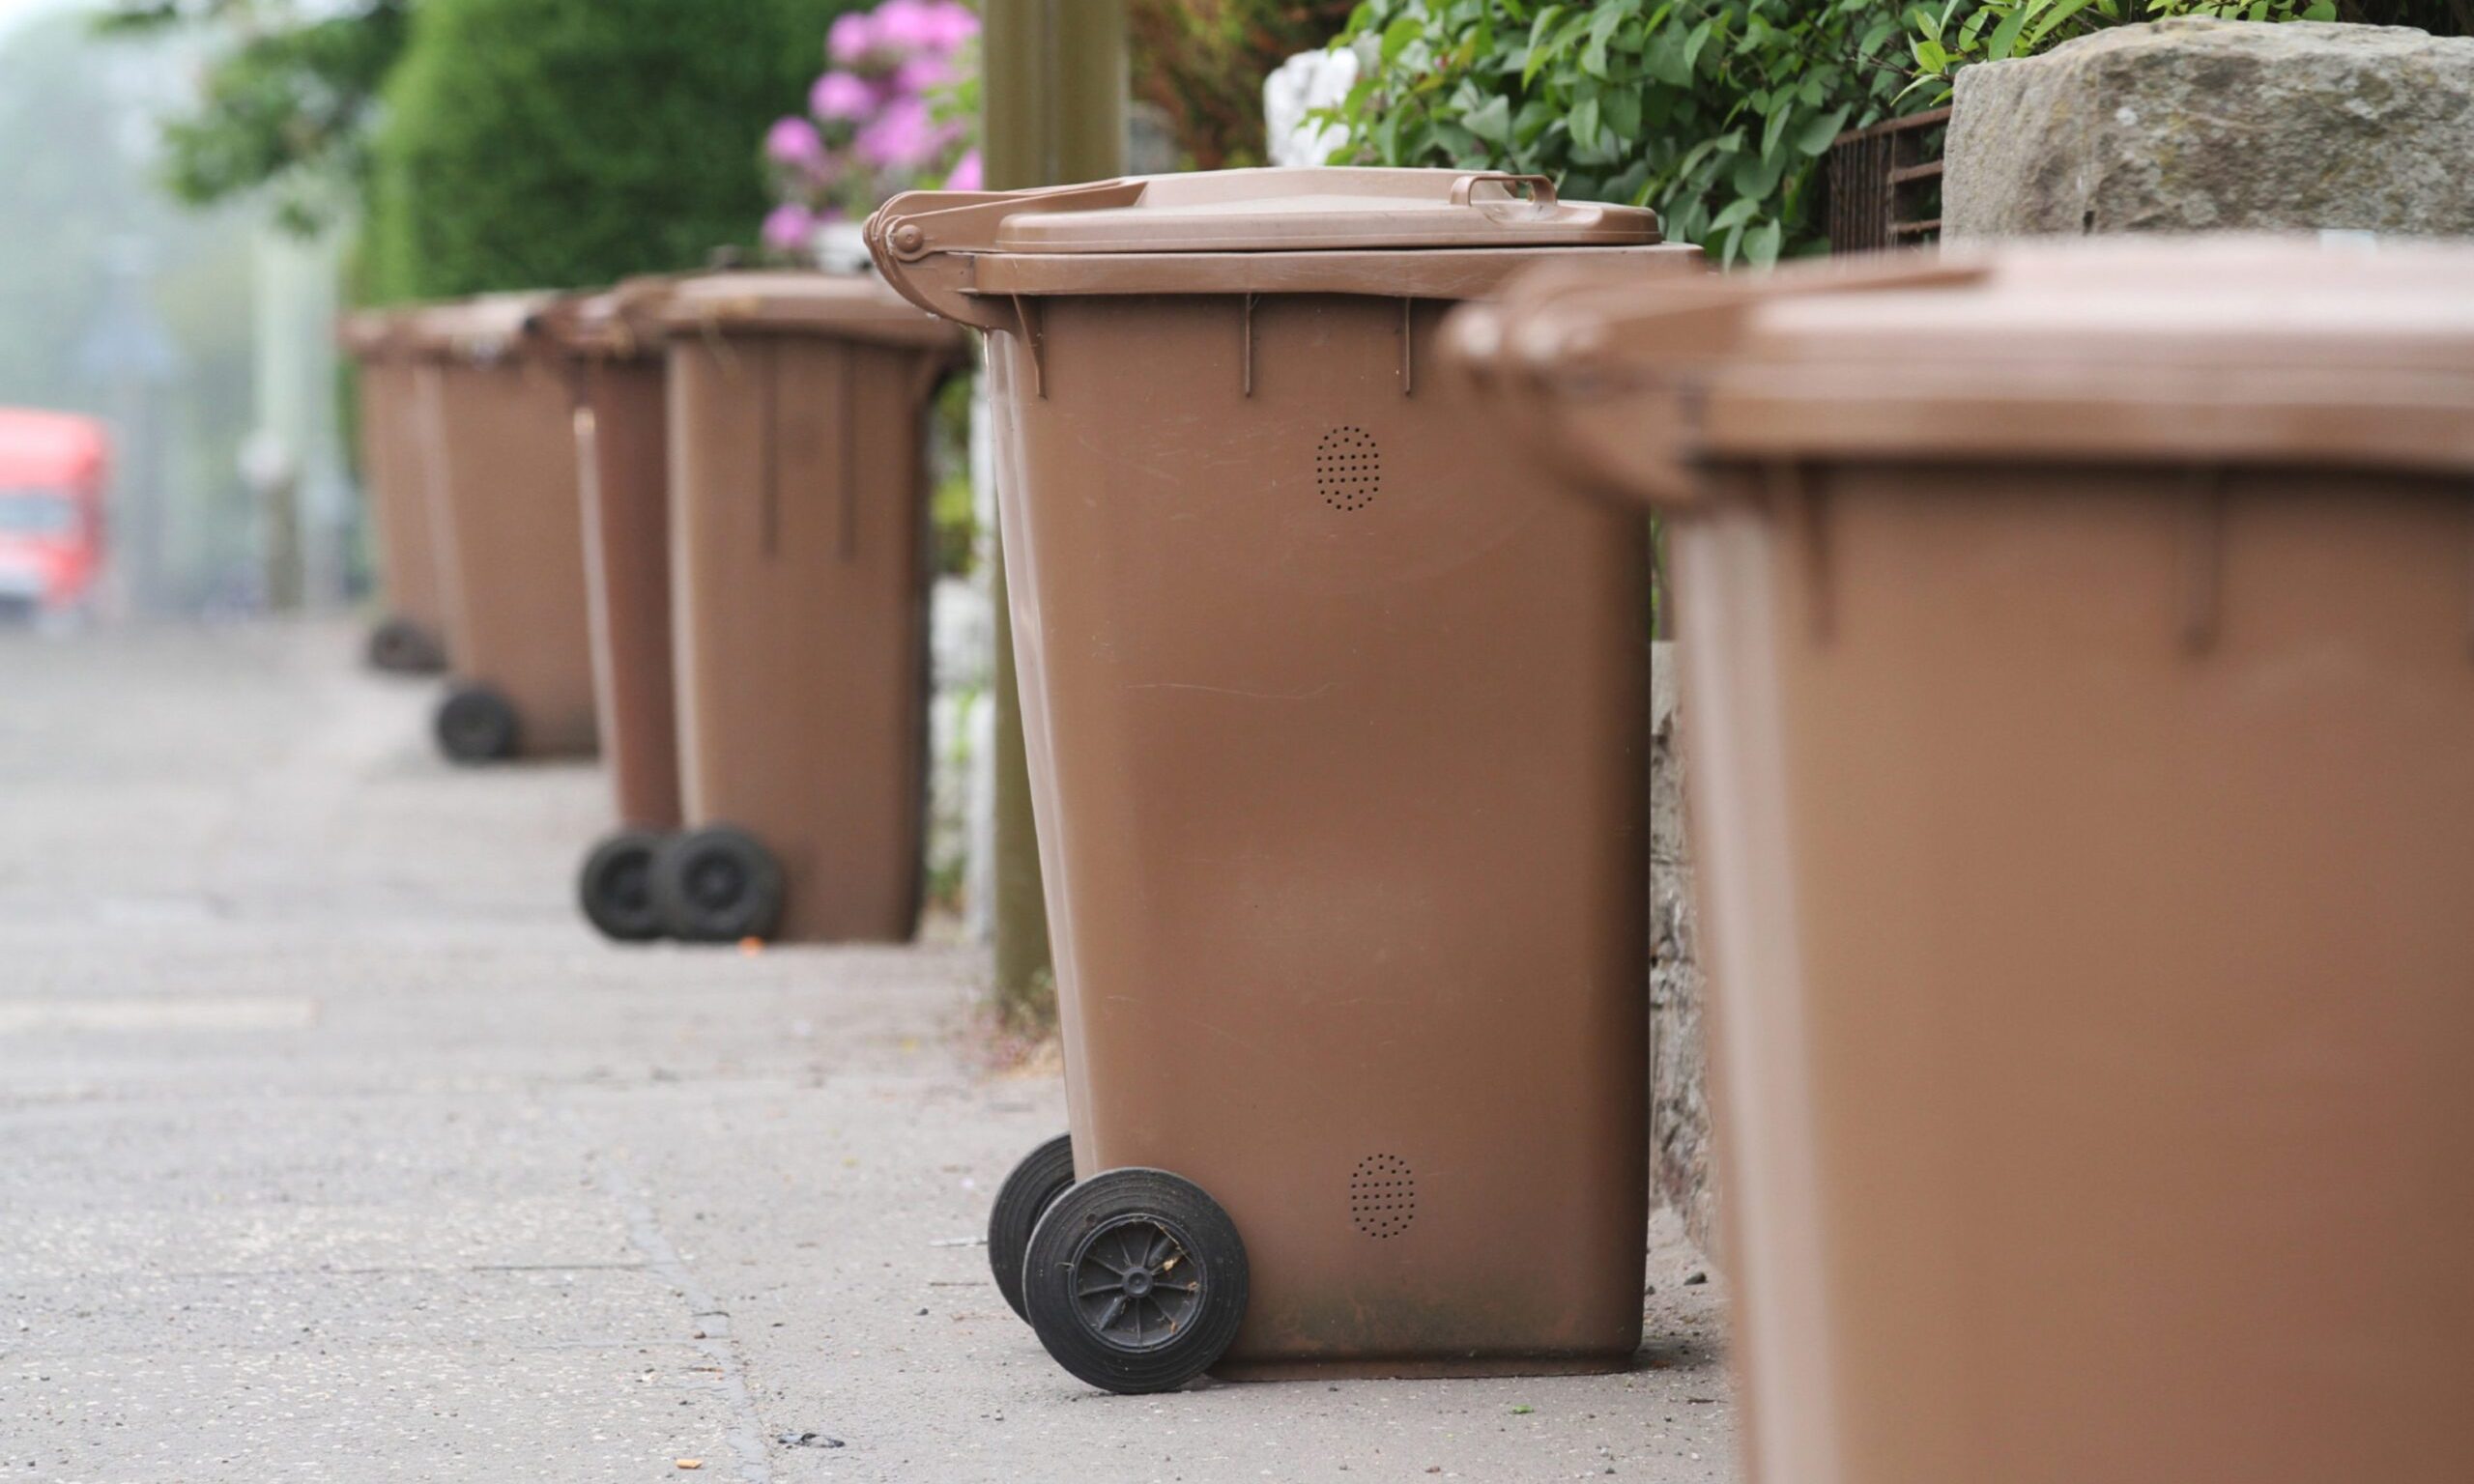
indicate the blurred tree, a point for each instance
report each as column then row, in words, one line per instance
column 547, row 143
column 283, row 105
column 1202, row 64
column 76, row 161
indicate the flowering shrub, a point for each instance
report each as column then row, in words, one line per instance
column 877, row 123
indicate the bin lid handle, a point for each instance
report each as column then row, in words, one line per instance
column 1542, row 189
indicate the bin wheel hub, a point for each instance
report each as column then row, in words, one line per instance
column 717, row 882
column 1136, row 1285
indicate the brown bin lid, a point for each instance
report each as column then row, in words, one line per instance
column 1319, row 209
column 2205, row 350
column 1442, row 234
column 847, row 305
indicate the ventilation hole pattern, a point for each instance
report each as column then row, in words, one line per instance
column 1348, row 469
column 1383, row 1195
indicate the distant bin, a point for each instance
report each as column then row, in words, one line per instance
column 498, row 413
column 1337, row 733
column 799, row 563
column 2084, row 733
column 619, row 373
column 410, row 634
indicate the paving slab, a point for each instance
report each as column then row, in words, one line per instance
column 338, row 1148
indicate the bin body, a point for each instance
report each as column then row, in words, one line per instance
column 510, row 533
column 622, row 458
column 392, row 471
column 799, row 584
column 2085, row 801
column 1337, row 736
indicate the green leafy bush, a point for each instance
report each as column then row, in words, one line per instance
column 283, row 105
column 1716, row 112
column 554, row 143
column 1959, row 33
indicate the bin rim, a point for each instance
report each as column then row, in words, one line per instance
column 485, row 327
column 2215, row 352
column 371, row 335
column 620, row 323
column 1399, row 233
column 851, row 306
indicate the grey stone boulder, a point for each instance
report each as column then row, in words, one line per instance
column 1681, row 1158
column 2197, row 125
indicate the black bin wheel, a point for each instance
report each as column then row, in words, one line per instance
column 400, row 647
column 1135, row 1281
column 1044, row 1174
column 717, row 885
column 476, row 725
column 616, row 886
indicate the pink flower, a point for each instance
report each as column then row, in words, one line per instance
column 794, row 142
column 842, row 96
column 851, row 36
column 909, row 25
column 968, row 174
column 953, row 23
column 903, row 137
column 922, row 72
column 789, row 229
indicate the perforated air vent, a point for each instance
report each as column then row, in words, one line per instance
column 1383, row 1195
column 1348, row 469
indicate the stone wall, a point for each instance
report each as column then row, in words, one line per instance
column 2197, row 125
column 1679, row 1161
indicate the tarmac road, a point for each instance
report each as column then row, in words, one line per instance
column 333, row 1146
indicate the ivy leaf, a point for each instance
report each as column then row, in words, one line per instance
column 1538, row 54
column 1490, row 121
column 2006, row 35
column 1695, row 43
column 1398, row 36
column 1622, row 108
column 1737, row 211
column 1584, row 124
column 1761, row 244
column 1757, row 174
column 1817, row 134
column 1666, row 61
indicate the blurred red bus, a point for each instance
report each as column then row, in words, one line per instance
column 52, row 468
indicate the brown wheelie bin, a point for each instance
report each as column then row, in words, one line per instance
column 408, row 636
column 619, row 372
column 799, row 552
column 496, row 410
column 1337, row 736
column 2079, row 664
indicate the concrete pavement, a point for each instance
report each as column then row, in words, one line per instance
column 334, row 1147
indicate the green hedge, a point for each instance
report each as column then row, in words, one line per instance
column 561, row 143
column 1716, row 112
